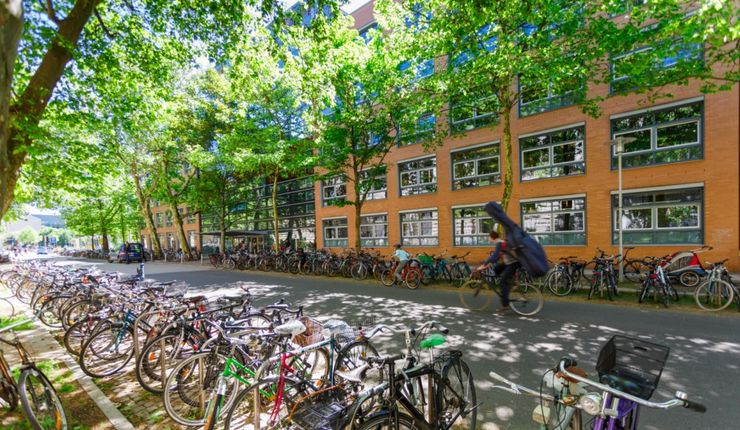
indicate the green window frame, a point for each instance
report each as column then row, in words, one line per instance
column 553, row 154
column 476, row 167
column 418, row 176
column 663, row 135
column 555, row 221
column 374, row 230
column 473, row 111
column 660, row 217
column 336, row 233
column 420, row 228
column 471, row 225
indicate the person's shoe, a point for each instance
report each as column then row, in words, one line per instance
column 502, row 310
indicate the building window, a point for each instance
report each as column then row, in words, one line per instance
column 471, row 226
column 158, row 219
column 189, row 216
column 334, row 189
column 419, row 228
column 556, row 221
column 666, row 135
column 168, row 218
column 553, row 154
column 374, row 230
column 660, row 217
column 377, row 185
column 473, row 111
column 537, row 97
column 191, row 239
column 335, row 233
column 418, row 176
column 422, row 130
column 627, row 68
column 476, row 167
column 365, row 32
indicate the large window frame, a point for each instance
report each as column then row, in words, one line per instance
column 419, row 227
column 475, row 111
column 650, row 204
column 374, row 230
column 337, row 186
column 687, row 52
column 335, row 232
column 375, row 192
column 550, row 212
column 477, row 158
column 547, row 142
column 648, row 125
column 423, row 171
column 424, row 129
column 551, row 101
column 471, row 225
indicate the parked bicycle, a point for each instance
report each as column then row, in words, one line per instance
column 718, row 291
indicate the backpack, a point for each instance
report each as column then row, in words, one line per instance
column 524, row 247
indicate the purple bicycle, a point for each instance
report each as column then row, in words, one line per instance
column 629, row 371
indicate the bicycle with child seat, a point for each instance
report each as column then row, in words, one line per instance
column 525, row 298
column 629, row 371
column 411, row 274
column 36, row 394
column 428, row 395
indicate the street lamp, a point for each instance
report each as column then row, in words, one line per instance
column 618, row 144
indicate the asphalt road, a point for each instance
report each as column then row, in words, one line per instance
column 704, row 359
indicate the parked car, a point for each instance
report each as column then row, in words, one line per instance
column 135, row 253
column 41, row 250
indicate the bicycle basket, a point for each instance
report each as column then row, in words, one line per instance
column 632, row 365
column 426, row 259
column 343, row 333
column 319, row 415
column 312, row 333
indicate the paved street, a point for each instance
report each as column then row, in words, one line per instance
column 704, row 359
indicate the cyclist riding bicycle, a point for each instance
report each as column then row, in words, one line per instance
column 506, row 267
column 403, row 259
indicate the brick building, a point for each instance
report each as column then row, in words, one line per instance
column 168, row 238
column 681, row 179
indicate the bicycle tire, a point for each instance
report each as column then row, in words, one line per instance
column 248, row 397
column 148, row 365
column 559, row 283
column 689, row 279
column 476, row 295
column 388, row 420
column 7, row 310
column 413, row 277
column 714, row 295
column 388, row 278
column 352, row 355
column 97, row 345
column 646, row 286
column 30, row 401
column 78, row 333
column 457, row 371
column 526, row 299
column 633, row 271
column 588, row 270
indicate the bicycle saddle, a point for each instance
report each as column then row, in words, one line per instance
column 291, row 328
column 357, row 375
column 432, row 340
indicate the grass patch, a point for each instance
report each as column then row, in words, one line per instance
column 5, row 322
column 155, row 417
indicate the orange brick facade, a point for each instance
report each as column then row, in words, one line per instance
column 718, row 172
column 167, row 231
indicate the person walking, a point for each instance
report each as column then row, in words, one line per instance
column 403, row 259
column 506, row 266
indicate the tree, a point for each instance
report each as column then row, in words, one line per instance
column 374, row 100
column 28, row 236
column 39, row 41
column 500, row 52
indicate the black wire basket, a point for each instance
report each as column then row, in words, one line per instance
column 632, row 365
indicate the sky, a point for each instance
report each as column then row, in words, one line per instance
column 350, row 7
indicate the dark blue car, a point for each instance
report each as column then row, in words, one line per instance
column 135, row 253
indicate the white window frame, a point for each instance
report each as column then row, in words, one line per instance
column 419, row 236
column 325, row 201
column 417, row 172
column 552, row 213
column 325, row 228
column 654, row 217
column 476, row 220
column 475, row 162
column 372, row 190
column 372, row 225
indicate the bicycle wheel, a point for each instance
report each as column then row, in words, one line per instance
column 190, row 384
column 456, row 399
column 159, row 357
column 633, row 271
column 588, row 270
column 714, row 295
column 107, row 351
column 359, row 271
column 353, row 355
column 644, row 291
column 255, row 407
column 7, row 310
column 559, row 283
column 427, row 274
column 476, row 294
column 689, row 279
column 526, row 299
column 413, row 277
column 40, row 401
column 389, row 420
column 8, row 389
column 388, row 278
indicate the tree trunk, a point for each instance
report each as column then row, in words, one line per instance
column 146, row 210
column 358, row 209
column 92, row 242
column 123, row 227
column 275, row 218
column 506, row 148
column 184, row 244
column 104, row 238
column 19, row 124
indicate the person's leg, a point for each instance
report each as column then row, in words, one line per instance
column 399, row 269
column 506, row 278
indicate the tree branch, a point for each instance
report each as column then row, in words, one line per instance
column 102, row 24
column 51, row 13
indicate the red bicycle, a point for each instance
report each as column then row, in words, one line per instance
column 411, row 274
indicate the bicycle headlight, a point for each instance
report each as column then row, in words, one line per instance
column 590, row 403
